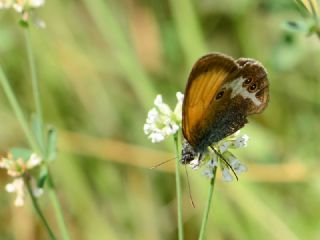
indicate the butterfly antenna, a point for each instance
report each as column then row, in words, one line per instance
column 189, row 188
column 226, row 162
column 159, row 164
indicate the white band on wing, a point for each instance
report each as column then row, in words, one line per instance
column 238, row 89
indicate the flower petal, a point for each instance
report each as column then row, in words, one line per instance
column 241, row 142
column 33, row 161
column 226, row 175
column 208, row 173
column 161, row 121
column 195, row 163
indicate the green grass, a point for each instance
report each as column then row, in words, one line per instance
column 100, row 65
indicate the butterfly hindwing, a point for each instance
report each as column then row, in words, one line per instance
column 255, row 75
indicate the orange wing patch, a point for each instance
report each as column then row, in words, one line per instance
column 201, row 92
column 206, row 78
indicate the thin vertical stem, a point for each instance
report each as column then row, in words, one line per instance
column 57, row 208
column 38, row 210
column 207, row 209
column 40, row 137
column 35, row 87
column 178, row 187
column 18, row 111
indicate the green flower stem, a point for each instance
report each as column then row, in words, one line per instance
column 30, row 137
column 57, row 209
column 35, row 88
column 41, row 138
column 178, row 187
column 18, row 111
column 38, row 210
column 207, row 209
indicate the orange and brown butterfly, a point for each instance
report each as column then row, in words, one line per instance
column 221, row 92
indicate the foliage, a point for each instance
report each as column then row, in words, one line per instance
column 101, row 63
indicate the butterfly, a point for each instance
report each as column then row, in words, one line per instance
column 221, row 92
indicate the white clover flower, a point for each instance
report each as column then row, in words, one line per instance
column 236, row 165
column 241, row 142
column 162, row 121
column 17, row 167
column 178, row 109
column 195, row 163
column 36, row 3
column 208, row 173
column 33, row 161
column 226, row 175
column 21, row 5
column 37, row 192
column 162, row 107
column 24, row 7
column 224, row 146
column 17, row 186
column 212, row 160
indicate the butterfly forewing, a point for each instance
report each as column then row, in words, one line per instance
column 205, row 80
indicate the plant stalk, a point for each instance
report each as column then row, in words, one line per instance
column 38, row 210
column 41, row 137
column 35, row 89
column 178, row 188
column 208, row 205
column 57, row 208
column 18, row 111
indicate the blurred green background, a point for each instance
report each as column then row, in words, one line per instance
column 101, row 64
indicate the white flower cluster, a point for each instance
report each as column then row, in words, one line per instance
column 17, row 168
column 21, row 5
column 212, row 160
column 162, row 121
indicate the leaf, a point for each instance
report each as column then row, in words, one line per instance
column 23, row 23
column 23, row 153
column 43, row 176
column 296, row 26
column 52, row 144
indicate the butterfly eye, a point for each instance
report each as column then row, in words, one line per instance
column 252, row 87
column 219, row 95
column 248, row 80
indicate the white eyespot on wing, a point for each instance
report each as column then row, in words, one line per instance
column 237, row 89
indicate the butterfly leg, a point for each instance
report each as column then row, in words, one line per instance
column 225, row 161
